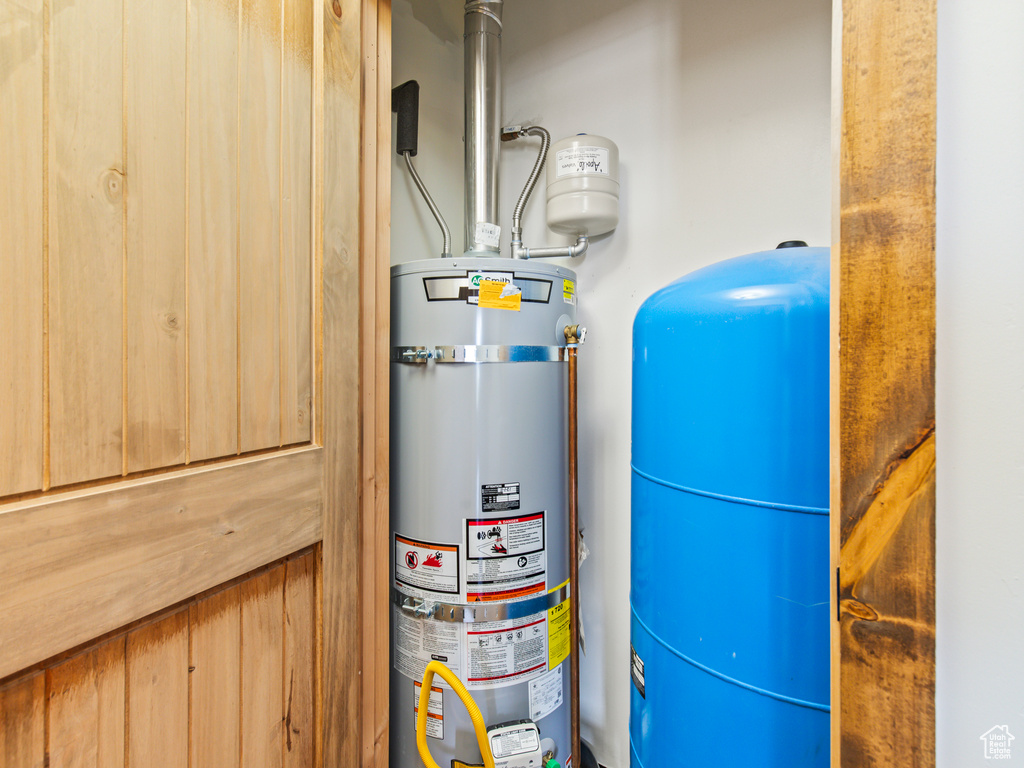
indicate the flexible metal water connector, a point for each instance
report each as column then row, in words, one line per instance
column 531, row 183
column 520, row 251
column 446, row 250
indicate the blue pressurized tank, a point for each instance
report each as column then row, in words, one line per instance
column 730, row 533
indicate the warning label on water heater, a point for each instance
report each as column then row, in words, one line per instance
column 425, row 565
column 505, row 558
column 417, row 642
column 435, row 709
column 500, row 653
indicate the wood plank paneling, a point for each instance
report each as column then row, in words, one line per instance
column 375, row 192
column 86, row 240
column 296, row 212
column 22, row 727
column 341, row 122
column 381, row 363
column 225, row 680
column 75, row 567
column 154, row 74
column 259, row 228
column 21, row 246
column 86, row 709
column 215, row 660
column 299, row 630
column 883, row 440
column 212, row 228
column 263, row 670
column 157, row 697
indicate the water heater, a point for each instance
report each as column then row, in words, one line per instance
column 479, row 498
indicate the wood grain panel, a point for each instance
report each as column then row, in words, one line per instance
column 263, row 670
column 158, row 697
column 381, row 363
column 215, row 660
column 296, row 212
column 299, row 631
column 154, row 74
column 259, row 227
column 341, row 346
column 86, row 709
column 883, row 490
column 375, row 193
column 22, row 727
column 86, row 244
column 21, row 247
column 212, row 228
column 78, row 565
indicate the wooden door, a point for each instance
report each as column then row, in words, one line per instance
column 185, row 395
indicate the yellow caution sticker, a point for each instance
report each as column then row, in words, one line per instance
column 569, row 291
column 558, row 630
column 498, row 295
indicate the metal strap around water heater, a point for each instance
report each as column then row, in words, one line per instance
column 480, row 353
column 468, row 614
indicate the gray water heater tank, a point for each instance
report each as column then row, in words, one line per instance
column 479, row 497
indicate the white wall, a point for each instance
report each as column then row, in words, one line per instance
column 427, row 40
column 721, row 114
column 980, row 379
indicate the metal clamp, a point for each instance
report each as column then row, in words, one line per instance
column 423, row 608
column 480, row 353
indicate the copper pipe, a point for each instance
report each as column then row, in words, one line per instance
column 572, row 338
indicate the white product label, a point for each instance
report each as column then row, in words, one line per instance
column 514, row 741
column 424, row 566
column 505, row 558
column 546, row 694
column 488, row 234
column 475, row 279
column 435, row 709
column 417, row 642
column 576, row 160
column 500, row 653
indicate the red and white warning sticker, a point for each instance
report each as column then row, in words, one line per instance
column 425, row 565
column 505, row 536
column 505, row 558
column 435, row 709
column 500, row 653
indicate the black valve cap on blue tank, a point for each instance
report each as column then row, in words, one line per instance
column 405, row 100
column 791, row 244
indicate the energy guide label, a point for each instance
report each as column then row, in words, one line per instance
column 505, row 558
column 500, row 653
column 426, row 566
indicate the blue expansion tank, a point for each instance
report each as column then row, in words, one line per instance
column 730, row 531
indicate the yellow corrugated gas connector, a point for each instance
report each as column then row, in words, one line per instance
column 436, row 667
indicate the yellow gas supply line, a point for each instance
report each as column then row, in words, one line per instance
column 474, row 713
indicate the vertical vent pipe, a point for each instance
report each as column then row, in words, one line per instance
column 483, row 123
